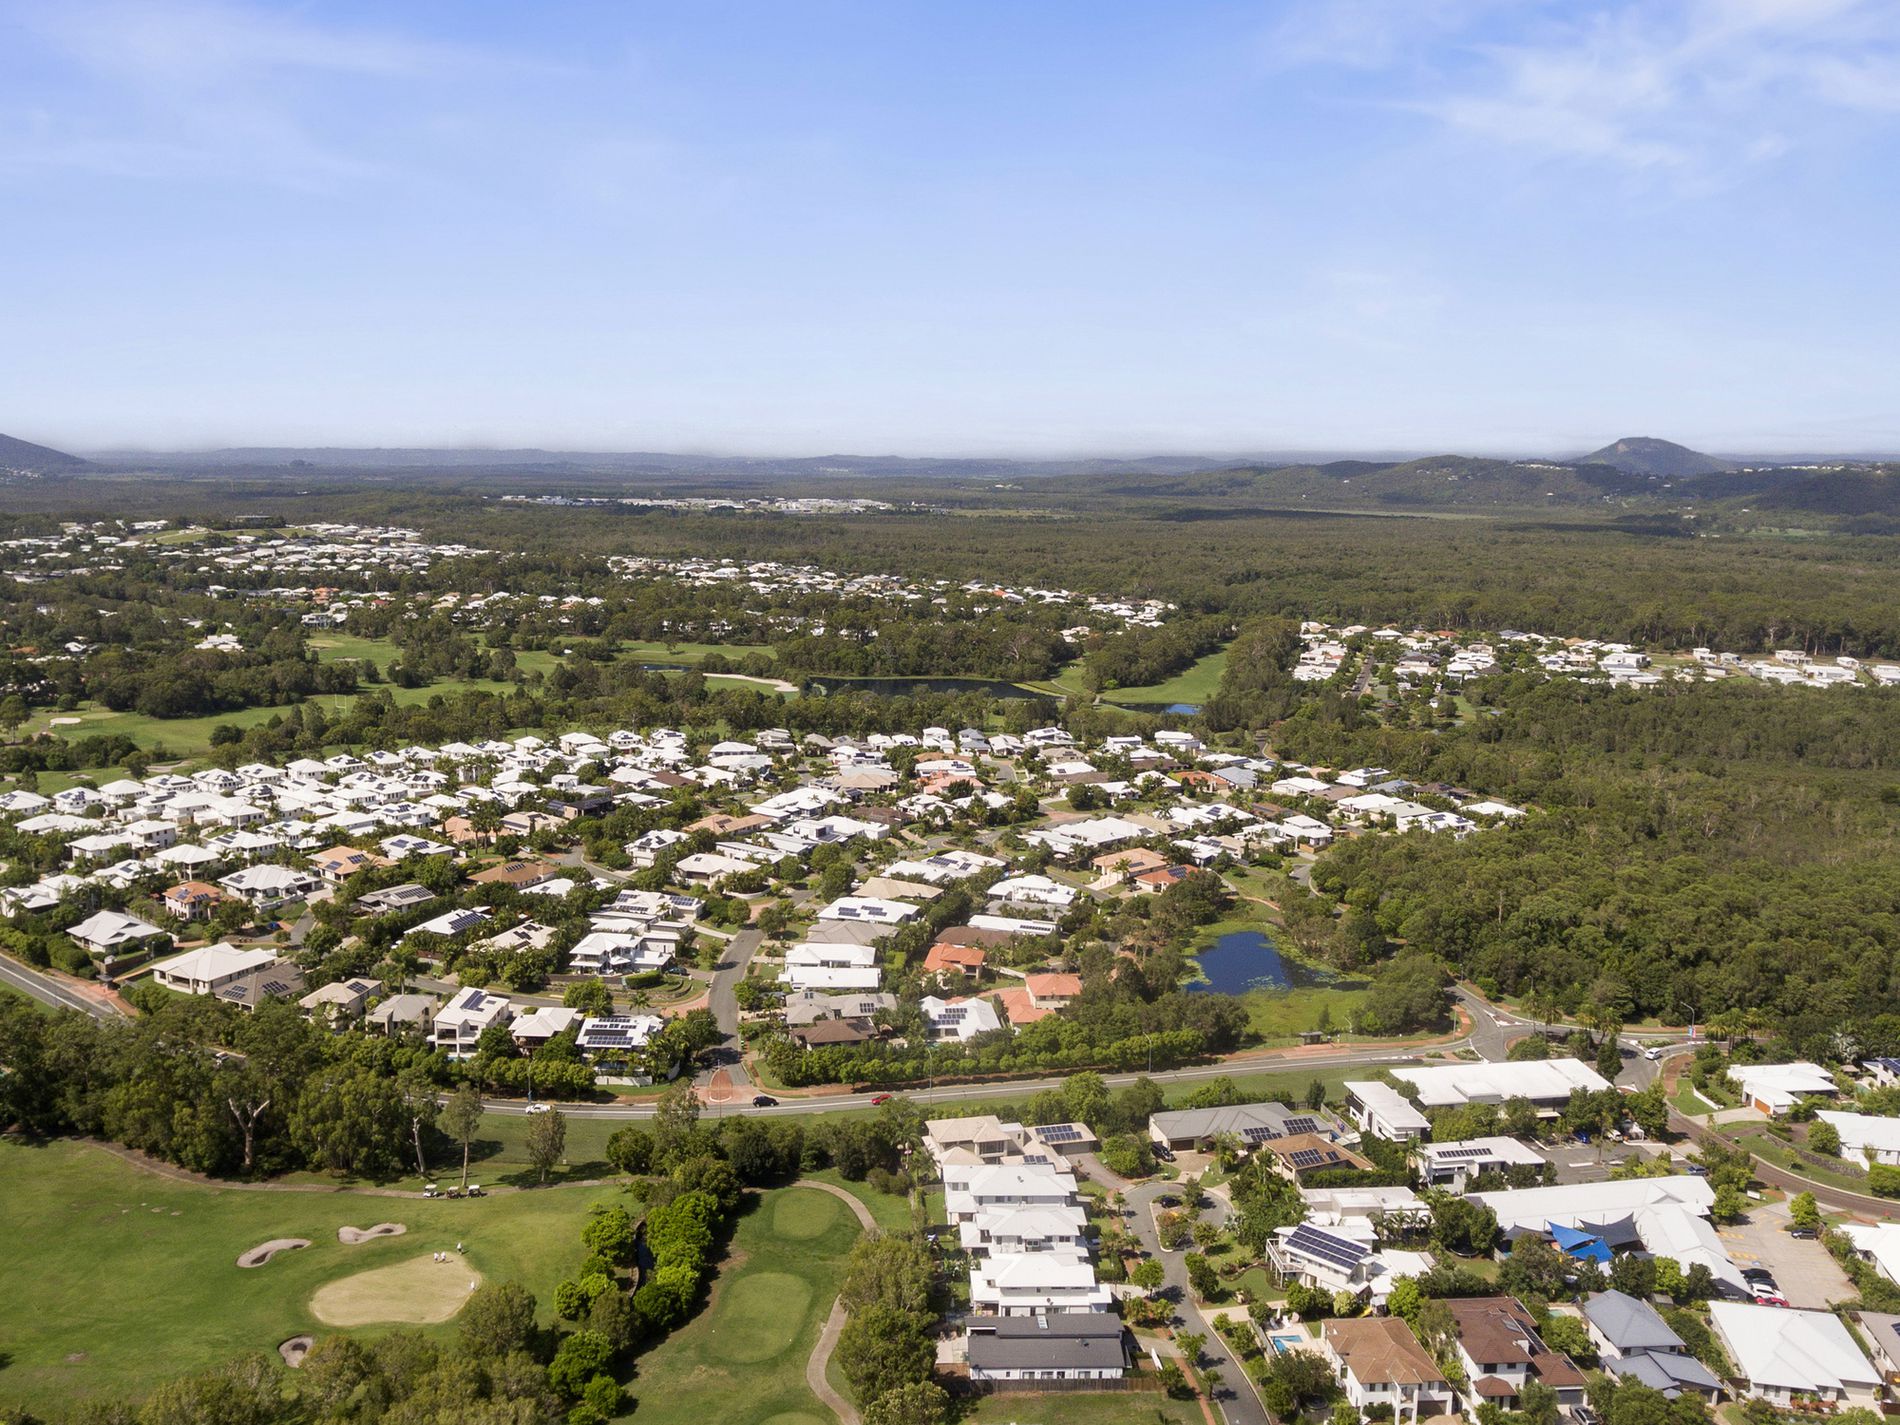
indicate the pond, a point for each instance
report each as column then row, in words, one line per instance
column 1243, row 960
column 1164, row 709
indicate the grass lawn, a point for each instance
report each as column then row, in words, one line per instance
column 1279, row 1016
column 1194, row 684
column 118, row 1278
column 1084, row 1407
column 741, row 1360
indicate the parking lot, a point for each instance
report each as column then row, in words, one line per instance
column 1807, row 1274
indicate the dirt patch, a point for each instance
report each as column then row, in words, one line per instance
column 295, row 1349
column 351, row 1236
column 264, row 1251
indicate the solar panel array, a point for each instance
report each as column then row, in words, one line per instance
column 1301, row 1125
column 1456, row 1154
column 952, row 1014
column 1308, row 1158
column 1258, row 1134
column 1339, row 1251
column 1061, row 1133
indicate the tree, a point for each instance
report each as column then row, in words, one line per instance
column 1404, row 1299
column 1804, row 1212
column 590, row 997
column 675, row 1118
column 1462, row 1225
column 921, row 1402
column 1824, row 1137
column 462, row 1120
column 420, row 1109
column 894, row 1271
column 609, row 1233
column 1649, row 1109
column 581, row 1357
column 1202, row 1276
column 1148, row 1275
column 883, row 1348
column 497, row 1318
column 547, row 1140
column 1729, row 1205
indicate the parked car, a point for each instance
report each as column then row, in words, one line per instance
column 1164, row 1152
column 1805, row 1234
column 764, row 1100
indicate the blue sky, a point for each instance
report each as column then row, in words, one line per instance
column 953, row 227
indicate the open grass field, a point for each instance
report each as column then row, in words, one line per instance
column 118, row 1278
column 1084, row 1407
column 1194, row 684
column 741, row 1360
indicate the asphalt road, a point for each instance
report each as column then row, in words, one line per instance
column 48, row 990
column 1013, row 1088
column 725, row 1005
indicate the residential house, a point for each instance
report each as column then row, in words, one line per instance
column 1380, row 1109
column 1785, row 1356
column 403, row 1014
column 459, row 1023
column 112, row 932
column 1633, row 1340
column 210, row 968
column 1379, row 1362
column 341, row 1002
column 1023, row 1352
column 191, row 900
column 1501, row 1352
column 1776, row 1088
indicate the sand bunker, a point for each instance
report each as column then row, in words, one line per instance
column 419, row 1292
column 264, row 1251
column 295, row 1349
column 350, row 1236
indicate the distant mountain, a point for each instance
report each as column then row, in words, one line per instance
column 1645, row 455
column 36, row 459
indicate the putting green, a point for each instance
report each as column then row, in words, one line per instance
column 420, row 1291
column 759, row 1315
column 802, row 1214
column 794, row 1417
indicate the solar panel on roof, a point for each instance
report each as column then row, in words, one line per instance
column 1061, row 1133
column 1308, row 1158
column 1340, row 1251
column 1258, row 1134
column 1457, row 1153
column 1302, row 1124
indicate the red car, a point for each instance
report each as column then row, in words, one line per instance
column 876, row 1099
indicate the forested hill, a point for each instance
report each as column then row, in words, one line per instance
column 1436, row 480
column 1475, row 482
column 35, row 459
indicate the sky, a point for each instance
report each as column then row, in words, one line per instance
column 954, row 228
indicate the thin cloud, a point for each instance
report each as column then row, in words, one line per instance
column 1699, row 89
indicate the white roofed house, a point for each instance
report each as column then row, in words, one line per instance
column 997, row 1231
column 1547, row 1083
column 1453, row 1165
column 1784, row 1356
column 1036, row 1284
column 970, row 1189
column 459, row 1023
column 1380, row 1109
column 113, row 932
column 209, row 969
column 960, row 1020
column 1776, row 1088
column 267, row 885
column 867, row 908
column 1865, row 1137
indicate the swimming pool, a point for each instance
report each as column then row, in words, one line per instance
column 1284, row 1341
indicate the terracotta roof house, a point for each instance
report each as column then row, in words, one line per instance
column 1380, row 1362
column 1153, row 883
column 965, row 960
column 1299, row 1155
column 338, row 863
column 517, row 873
column 192, row 900
column 1051, row 990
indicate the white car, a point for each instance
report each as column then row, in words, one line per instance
column 540, row 1108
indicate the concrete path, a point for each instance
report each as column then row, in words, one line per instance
column 815, row 1368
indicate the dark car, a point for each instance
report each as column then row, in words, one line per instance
column 1805, row 1234
column 1164, row 1152
column 764, row 1100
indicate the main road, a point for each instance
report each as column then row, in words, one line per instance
column 48, row 990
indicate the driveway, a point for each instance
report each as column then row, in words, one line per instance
column 1806, row 1272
